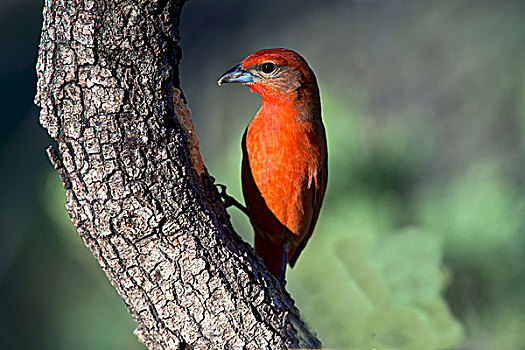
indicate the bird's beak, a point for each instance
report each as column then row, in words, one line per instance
column 236, row 75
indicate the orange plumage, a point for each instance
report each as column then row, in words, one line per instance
column 284, row 167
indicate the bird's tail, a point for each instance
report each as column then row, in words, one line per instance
column 271, row 253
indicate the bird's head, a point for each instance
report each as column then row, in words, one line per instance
column 273, row 73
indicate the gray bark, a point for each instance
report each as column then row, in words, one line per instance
column 136, row 189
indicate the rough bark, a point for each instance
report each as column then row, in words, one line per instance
column 136, row 189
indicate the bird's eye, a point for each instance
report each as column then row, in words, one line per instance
column 268, row 67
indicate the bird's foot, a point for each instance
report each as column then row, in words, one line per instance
column 229, row 201
column 282, row 282
column 282, row 278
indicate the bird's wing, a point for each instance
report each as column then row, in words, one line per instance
column 318, row 189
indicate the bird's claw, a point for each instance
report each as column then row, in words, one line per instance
column 228, row 200
column 221, row 189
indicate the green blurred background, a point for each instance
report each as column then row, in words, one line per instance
column 420, row 244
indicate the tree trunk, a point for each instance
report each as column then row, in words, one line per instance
column 137, row 191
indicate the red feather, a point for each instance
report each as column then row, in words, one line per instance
column 284, row 167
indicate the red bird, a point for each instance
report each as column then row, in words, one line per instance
column 284, row 166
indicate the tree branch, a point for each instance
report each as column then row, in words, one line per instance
column 136, row 189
